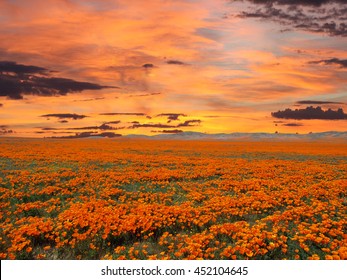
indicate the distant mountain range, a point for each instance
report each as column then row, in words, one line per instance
column 332, row 135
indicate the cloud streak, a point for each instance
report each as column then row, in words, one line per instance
column 306, row 102
column 333, row 61
column 88, row 134
column 188, row 123
column 65, row 116
column 292, row 124
column 146, row 94
column 175, row 62
column 122, row 114
column 173, row 131
column 104, row 126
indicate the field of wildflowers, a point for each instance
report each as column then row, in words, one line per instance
column 151, row 199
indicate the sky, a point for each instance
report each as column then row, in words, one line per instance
column 73, row 68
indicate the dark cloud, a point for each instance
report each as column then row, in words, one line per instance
column 310, row 113
column 54, row 132
column 65, row 116
column 146, row 94
column 1, row 104
column 171, row 116
column 63, row 121
column 88, row 134
column 109, row 134
column 175, row 62
column 157, row 125
column 62, row 132
column 48, row 128
column 112, row 122
column 20, row 69
column 104, row 126
column 17, row 80
column 298, row 2
column 307, row 102
column 122, row 114
column 292, row 124
column 5, row 130
column 61, row 86
column 89, row 99
column 173, row 131
column 148, row 65
column 303, row 15
column 334, row 61
column 189, row 123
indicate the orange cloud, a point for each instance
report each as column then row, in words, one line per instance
column 204, row 63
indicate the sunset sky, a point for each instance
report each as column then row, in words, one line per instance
column 73, row 67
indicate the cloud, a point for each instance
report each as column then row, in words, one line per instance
column 334, row 61
column 89, row 99
column 292, row 124
column 298, row 2
column 171, row 116
column 146, row 94
column 157, row 125
column 63, row 121
column 175, row 62
column 317, row 102
column 148, row 65
column 310, row 113
column 62, row 132
column 88, row 134
column 17, row 80
column 65, row 116
column 122, row 114
column 54, row 132
column 1, row 104
column 130, row 75
column 112, row 122
column 189, row 123
column 4, row 130
column 303, row 15
column 20, row 69
column 104, row 126
column 48, row 128
column 174, row 131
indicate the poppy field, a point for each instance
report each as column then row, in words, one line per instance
column 162, row 199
